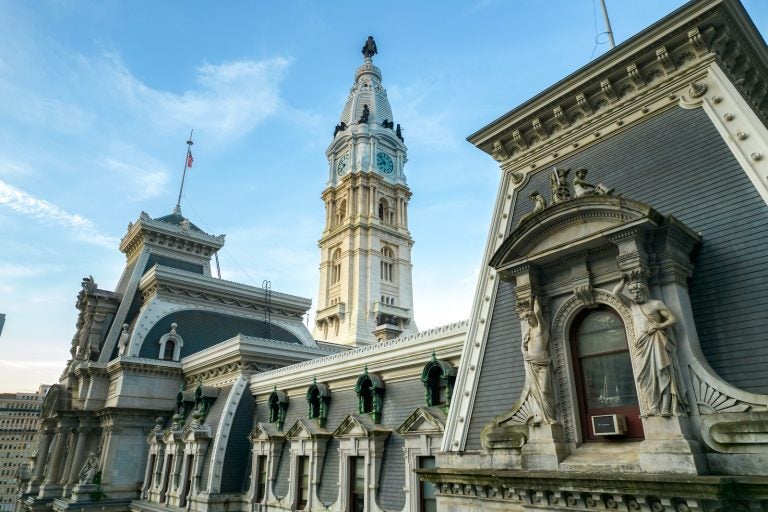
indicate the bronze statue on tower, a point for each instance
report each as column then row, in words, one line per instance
column 369, row 48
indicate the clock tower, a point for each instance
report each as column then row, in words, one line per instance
column 365, row 249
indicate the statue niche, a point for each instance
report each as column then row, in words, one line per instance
column 577, row 254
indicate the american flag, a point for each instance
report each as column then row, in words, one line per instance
column 189, row 159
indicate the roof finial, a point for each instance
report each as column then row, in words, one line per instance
column 369, row 48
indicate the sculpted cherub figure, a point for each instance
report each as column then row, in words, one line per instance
column 582, row 188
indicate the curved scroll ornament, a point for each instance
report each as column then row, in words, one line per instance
column 713, row 399
column 559, row 337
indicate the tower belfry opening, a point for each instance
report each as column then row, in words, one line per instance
column 365, row 290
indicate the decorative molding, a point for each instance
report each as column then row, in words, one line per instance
column 222, row 433
column 711, row 398
column 381, row 347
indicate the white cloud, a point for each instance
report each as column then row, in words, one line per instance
column 148, row 179
column 41, row 210
column 231, row 98
column 423, row 125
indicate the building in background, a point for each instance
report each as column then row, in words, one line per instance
column 19, row 417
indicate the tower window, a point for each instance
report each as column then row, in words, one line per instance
column 336, row 266
column 387, row 265
column 386, row 213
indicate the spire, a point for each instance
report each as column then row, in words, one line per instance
column 367, row 102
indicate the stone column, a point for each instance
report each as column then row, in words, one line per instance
column 51, row 487
column 83, row 433
column 42, row 456
column 71, row 437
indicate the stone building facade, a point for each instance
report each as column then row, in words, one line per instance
column 190, row 392
column 616, row 356
column 19, row 415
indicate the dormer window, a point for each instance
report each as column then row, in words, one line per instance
column 438, row 378
column 318, row 399
column 278, row 405
column 170, row 345
column 370, row 394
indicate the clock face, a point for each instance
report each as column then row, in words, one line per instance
column 342, row 165
column 384, row 163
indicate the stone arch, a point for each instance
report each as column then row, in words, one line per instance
column 560, row 327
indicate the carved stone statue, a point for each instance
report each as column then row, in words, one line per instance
column 122, row 343
column 538, row 374
column 561, row 190
column 582, row 188
column 538, row 201
column 369, row 48
column 365, row 115
column 339, row 128
column 90, row 468
column 658, row 374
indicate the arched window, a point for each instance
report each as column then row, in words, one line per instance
column 278, row 405
column 370, row 394
column 170, row 346
column 341, row 212
column 336, row 266
column 603, row 370
column 318, row 399
column 387, row 264
column 438, row 378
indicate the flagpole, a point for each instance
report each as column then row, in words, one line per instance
column 184, row 174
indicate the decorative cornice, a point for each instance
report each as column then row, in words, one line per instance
column 402, row 342
column 653, row 71
column 175, row 282
column 596, row 491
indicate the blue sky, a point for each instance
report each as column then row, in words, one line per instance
column 97, row 99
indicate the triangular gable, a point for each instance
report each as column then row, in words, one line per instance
column 305, row 430
column 171, row 436
column 265, row 432
column 192, row 433
column 359, row 426
column 423, row 421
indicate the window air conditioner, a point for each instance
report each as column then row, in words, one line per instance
column 609, row 425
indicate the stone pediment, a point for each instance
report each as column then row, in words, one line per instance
column 360, row 426
column 192, row 433
column 571, row 226
column 265, row 432
column 171, row 436
column 306, row 430
column 423, row 421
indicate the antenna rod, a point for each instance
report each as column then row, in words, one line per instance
column 186, row 164
column 607, row 24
